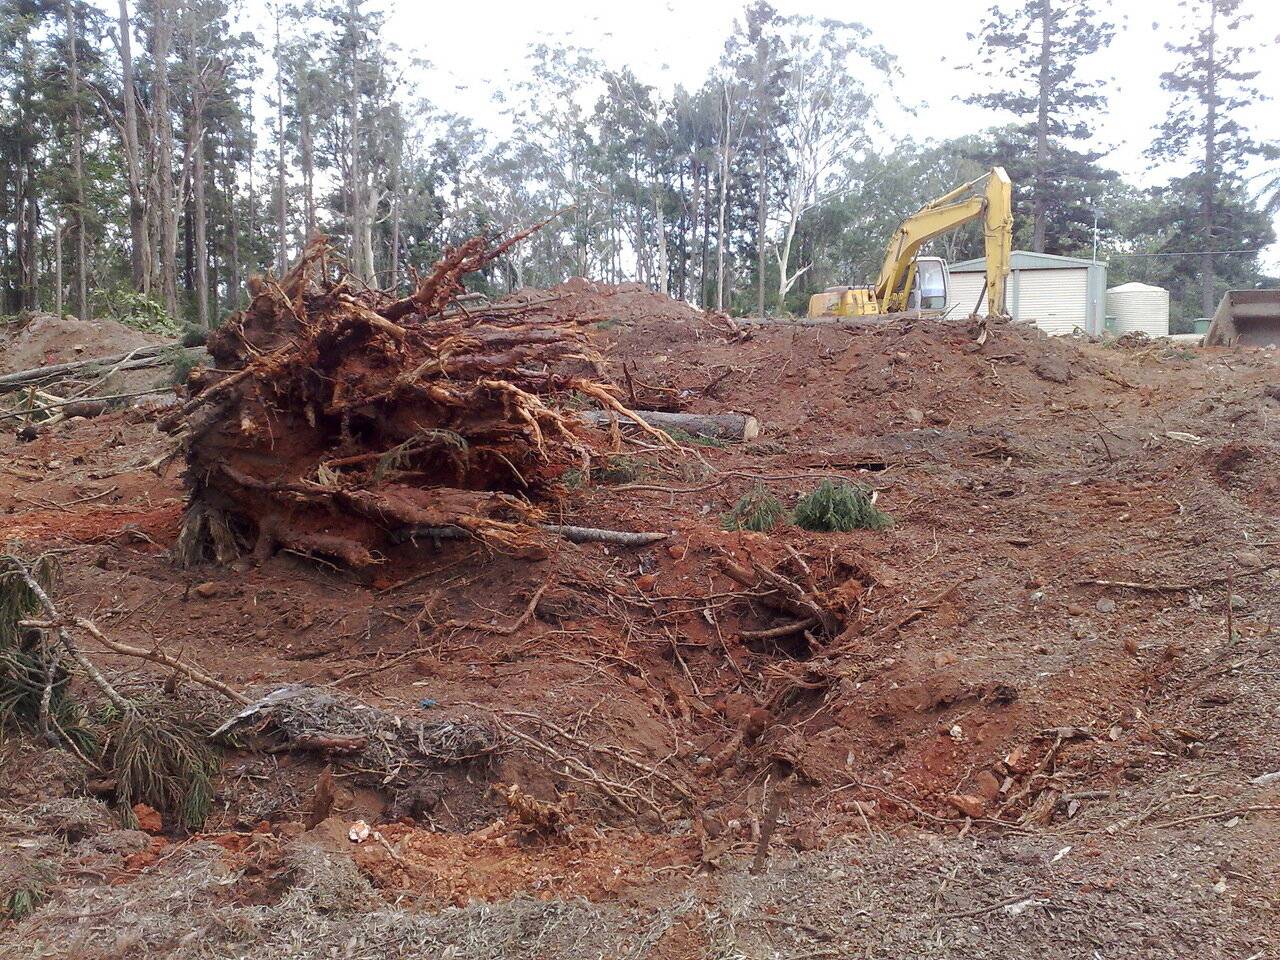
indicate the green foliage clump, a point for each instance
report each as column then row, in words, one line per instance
column 619, row 469
column 31, row 667
column 757, row 510
column 24, row 885
column 156, row 747
column 184, row 361
column 160, row 754
column 140, row 312
column 698, row 440
column 839, row 507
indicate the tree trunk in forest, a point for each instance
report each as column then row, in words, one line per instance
column 361, row 240
column 233, row 225
column 139, row 241
column 660, row 238
column 57, row 269
column 77, row 168
column 162, row 42
column 1208, row 287
column 1038, row 213
column 762, row 212
column 308, row 164
column 199, row 213
column 706, row 234
column 282, row 253
column 724, row 199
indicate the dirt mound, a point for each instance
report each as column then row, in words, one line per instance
column 43, row 338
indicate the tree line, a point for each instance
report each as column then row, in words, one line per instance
column 153, row 156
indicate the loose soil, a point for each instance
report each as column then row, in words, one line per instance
column 999, row 752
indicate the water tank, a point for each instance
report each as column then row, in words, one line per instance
column 1139, row 307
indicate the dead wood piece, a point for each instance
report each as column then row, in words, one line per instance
column 717, row 426
column 788, row 595
column 622, row 538
column 156, row 356
column 329, row 743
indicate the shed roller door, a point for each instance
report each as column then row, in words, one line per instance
column 964, row 292
column 1056, row 301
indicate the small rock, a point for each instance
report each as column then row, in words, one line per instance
column 1250, row 558
column 1075, row 610
column 207, row 590
column 675, row 551
column 943, row 658
column 149, row 820
column 969, row 805
column 1238, row 602
column 987, row 785
column 915, row 416
column 1105, row 605
column 647, row 581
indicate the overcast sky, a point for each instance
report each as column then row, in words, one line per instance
column 676, row 41
column 475, row 50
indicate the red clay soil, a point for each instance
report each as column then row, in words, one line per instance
column 988, row 669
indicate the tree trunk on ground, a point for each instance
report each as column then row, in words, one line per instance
column 162, row 42
column 1042, row 129
column 140, row 242
column 718, row 426
column 77, row 168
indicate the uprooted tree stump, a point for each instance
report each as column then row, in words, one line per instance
column 334, row 417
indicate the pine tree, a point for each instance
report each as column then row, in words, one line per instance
column 1036, row 50
column 1203, row 126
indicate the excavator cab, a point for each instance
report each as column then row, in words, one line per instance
column 928, row 283
column 929, row 291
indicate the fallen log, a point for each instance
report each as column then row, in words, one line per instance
column 715, row 426
column 156, row 356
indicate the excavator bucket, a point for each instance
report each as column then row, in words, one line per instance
column 1246, row 318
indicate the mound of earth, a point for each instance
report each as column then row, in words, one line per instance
column 964, row 729
column 40, row 339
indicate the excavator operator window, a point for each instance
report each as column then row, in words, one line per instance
column 931, row 284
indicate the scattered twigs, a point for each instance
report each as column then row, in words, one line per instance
column 162, row 659
column 624, row 796
column 1175, row 586
column 515, row 625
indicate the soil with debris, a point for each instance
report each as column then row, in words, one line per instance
column 1035, row 717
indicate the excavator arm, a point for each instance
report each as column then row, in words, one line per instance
column 989, row 197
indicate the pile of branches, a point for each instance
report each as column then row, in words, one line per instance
column 335, row 417
column 392, row 750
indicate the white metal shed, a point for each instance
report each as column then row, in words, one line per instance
column 1057, row 294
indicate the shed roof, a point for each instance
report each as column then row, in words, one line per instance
column 1026, row 260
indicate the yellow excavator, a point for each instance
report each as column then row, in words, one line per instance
column 918, row 286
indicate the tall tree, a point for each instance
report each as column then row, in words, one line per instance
column 1203, row 127
column 1035, row 50
column 828, row 114
column 77, row 162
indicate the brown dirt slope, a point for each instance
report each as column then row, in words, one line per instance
column 1033, row 726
